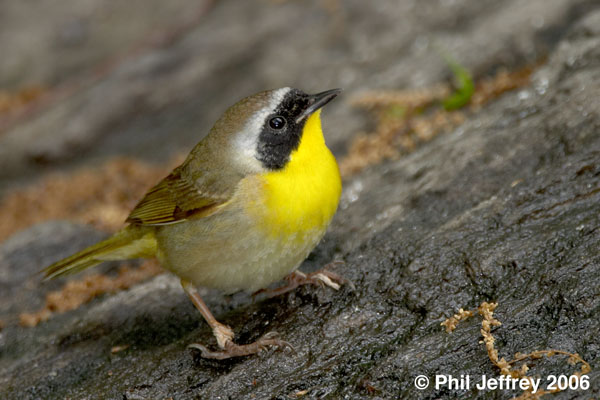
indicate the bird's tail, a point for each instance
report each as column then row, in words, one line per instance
column 130, row 242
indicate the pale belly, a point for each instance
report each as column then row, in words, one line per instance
column 228, row 251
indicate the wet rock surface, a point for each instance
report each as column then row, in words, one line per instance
column 504, row 208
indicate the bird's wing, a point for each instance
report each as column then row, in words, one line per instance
column 175, row 199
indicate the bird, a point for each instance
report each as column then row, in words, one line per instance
column 252, row 199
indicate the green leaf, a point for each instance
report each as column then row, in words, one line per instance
column 464, row 87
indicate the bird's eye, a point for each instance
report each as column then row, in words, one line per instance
column 277, row 123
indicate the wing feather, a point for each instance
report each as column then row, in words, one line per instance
column 172, row 200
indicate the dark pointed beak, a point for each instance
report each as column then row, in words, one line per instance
column 316, row 101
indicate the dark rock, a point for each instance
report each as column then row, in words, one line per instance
column 24, row 254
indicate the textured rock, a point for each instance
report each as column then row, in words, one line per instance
column 505, row 208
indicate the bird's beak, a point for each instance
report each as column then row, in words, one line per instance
column 316, row 101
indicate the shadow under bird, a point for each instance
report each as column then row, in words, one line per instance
column 245, row 208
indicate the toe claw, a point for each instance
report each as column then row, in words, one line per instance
column 196, row 346
column 286, row 345
column 204, row 352
column 270, row 335
column 321, row 278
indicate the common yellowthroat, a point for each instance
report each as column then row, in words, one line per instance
column 245, row 208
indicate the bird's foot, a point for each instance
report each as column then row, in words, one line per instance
column 231, row 349
column 223, row 334
column 322, row 277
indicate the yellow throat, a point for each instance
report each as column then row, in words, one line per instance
column 303, row 196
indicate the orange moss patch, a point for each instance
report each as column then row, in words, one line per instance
column 409, row 99
column 490, row 88
column 80, row 291
column 406, row 118
column 453, row 321
column 102, row 197
column 486, row 310
column 10, row 102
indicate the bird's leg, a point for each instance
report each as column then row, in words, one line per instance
column 322, row 277
column 224, row 334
